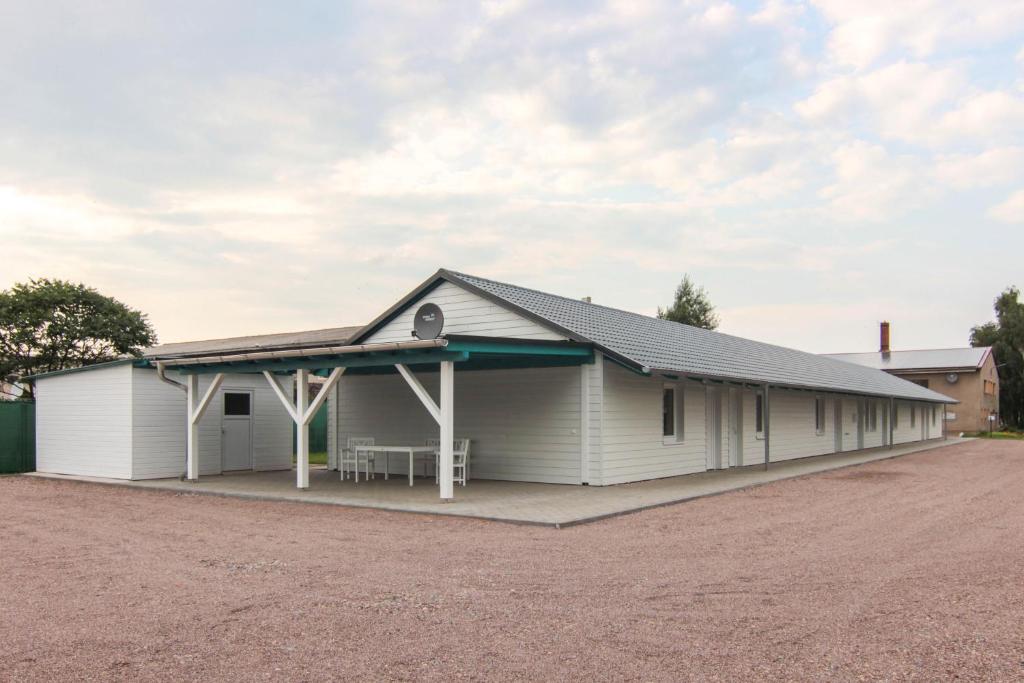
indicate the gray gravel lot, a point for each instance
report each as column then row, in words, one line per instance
column 910, row 568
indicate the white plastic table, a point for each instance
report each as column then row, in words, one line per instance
column 412, row 452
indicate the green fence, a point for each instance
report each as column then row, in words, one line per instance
column 17, row 436
column 317, row 432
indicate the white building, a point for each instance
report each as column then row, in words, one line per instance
column 548, row 389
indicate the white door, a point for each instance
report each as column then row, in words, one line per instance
column 714, row 428
column 735, row 428
column 236, row 427
column 851, row 424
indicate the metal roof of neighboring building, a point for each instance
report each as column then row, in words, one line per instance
column 970, row 358
column 261, row 342
column 651, row 343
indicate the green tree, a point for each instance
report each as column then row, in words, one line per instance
column 48, row 325
column 691, row 306
column 1006, row 337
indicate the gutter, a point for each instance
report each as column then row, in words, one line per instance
column 305, row 353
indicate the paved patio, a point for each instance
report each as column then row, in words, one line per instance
column 548, row 504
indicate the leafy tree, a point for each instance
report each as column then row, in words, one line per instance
column 48, row 325
column 1006, row 337
column 691, row 306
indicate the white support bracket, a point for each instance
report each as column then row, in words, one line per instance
column 285, row 401
column 193, row 413
column 302, row 414
column 421, row 393
column 444, row 414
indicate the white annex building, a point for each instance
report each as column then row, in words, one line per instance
column 501, row 382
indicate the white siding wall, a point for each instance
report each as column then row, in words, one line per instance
column 524, row 424
column 84, row 423
column 159, row 426
column 632, row 446
column 596, row 408
column 464, row 313
column 792, row 433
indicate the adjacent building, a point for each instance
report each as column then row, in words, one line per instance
column 966, row 374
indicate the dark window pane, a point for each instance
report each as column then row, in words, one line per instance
column 236, row 404
column 759, row 413
column 668, row 413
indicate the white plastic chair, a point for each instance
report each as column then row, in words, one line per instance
column 460, row 460
column 352, row 455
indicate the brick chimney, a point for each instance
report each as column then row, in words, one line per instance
column 883, row 331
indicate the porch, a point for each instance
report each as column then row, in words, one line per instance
column 518, row 502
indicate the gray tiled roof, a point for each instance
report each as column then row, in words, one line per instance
column 672, row 347
column 924, row 359
column 260, row 342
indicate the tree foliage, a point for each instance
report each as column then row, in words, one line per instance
column 48, row 325
column 1006, row 337
column 691, row 306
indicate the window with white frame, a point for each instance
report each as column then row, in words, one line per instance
column 673, row 427
column 759, row 415
column 819, row 415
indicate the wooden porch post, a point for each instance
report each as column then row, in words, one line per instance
column 192, row 430
column 447, row 424
column 301, row 429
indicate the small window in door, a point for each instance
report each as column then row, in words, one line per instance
column 237, row 404
column 819, row 415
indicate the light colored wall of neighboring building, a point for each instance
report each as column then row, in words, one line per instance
column 464, row 313
column 84, row 423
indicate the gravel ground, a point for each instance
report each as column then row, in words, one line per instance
column 910, row 568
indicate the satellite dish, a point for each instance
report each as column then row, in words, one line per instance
column 428, row 322
column 952, row 377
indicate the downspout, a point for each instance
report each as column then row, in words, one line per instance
column 160, row 369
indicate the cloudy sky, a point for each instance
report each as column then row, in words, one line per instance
column 246, row 167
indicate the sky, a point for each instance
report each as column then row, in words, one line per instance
column 239, row 168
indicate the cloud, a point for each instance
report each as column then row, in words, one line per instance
column 865, row 31
column 1011, row 210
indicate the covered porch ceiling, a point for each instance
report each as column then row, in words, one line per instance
column 469, row 353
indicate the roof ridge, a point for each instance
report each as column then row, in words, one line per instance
column 700, row 330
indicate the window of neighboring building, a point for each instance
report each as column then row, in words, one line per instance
column 921, row 382
column 819, row 415
column 759, row 415
column 990, row 387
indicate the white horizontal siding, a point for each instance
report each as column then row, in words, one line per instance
column 524, row 425
column 632, row 446
column 84, row 423
column 464, row 313
column 159, row 426
column 792, row 426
